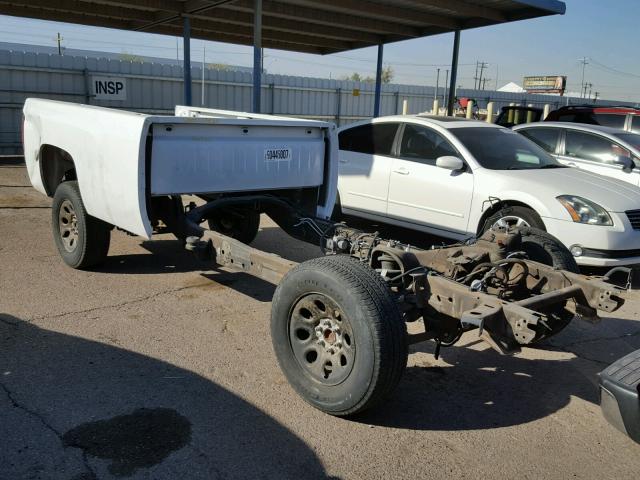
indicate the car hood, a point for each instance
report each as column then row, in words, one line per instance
column 612, row 194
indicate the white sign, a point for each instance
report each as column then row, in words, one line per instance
column 278, row 154
column 109, row 88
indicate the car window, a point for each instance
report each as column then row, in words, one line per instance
column 372, row 138
column 577, row 117
column 547, row 138
column 635, row 124
column 611, row 119
column 586, row 146
column 424, row 144
column 503, row 149
column 631, row 138
column 634, row 140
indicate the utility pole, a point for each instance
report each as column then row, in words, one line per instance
column 595, row 97
column 59, row 40
column 590, row 85
column 437, row 83
column 584, row 63
column 483, row 65
column 475, row 77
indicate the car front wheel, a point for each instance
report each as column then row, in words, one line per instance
column 514, row 216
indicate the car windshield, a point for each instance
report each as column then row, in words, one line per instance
column 632, row 139
column 503, row 149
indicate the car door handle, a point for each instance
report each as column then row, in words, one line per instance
column 343, row 160
column 402, row 171
column 571, row 164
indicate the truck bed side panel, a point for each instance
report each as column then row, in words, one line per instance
column 108, row 149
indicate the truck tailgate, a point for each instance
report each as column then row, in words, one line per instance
column 217, row 158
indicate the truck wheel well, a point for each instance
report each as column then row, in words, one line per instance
column 56, row 166
column 494, row 208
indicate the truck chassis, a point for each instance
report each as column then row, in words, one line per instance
column 344, row 357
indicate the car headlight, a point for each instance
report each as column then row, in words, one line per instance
column 585, row 211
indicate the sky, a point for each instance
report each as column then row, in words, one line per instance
column 606, row 32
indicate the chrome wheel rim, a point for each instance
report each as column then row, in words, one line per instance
column 510, row 221
column 68, row 226
column 321, row 338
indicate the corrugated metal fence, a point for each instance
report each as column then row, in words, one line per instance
column 157, row 88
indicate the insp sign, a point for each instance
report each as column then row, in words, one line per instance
column 109, row 88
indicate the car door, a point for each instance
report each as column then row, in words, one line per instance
column 422, row 193
column 597, row 154
column 547, row 138
column 365, row 160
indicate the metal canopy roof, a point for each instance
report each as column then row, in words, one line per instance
column 322, row 26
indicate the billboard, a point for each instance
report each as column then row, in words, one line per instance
column 545, row 84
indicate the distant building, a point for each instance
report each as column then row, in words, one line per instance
column 511, row 87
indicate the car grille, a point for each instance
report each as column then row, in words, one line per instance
column 634, row 218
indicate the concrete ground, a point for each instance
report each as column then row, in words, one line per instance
column 158, row 367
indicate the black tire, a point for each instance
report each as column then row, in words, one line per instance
column 239, row 223
column 516, row 211
column 360, row 302
column 85, row 243
column 543, row 247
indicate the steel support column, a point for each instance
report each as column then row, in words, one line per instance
column 376, row 100
column 454, row 72
column 257, row 54
column 186, row 40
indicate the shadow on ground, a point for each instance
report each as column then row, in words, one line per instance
column 165, row 256
column 12, row 160
column 71, row 408
column 483, row 389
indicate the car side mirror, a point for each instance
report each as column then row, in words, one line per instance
column 449, row 162
column 626, row 162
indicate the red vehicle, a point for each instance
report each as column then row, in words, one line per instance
column 620, row 117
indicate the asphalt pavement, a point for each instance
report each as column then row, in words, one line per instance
column 157, row 366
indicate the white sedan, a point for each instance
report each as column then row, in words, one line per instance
column 456, row 178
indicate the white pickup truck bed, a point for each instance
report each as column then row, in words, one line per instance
column 122, row 158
